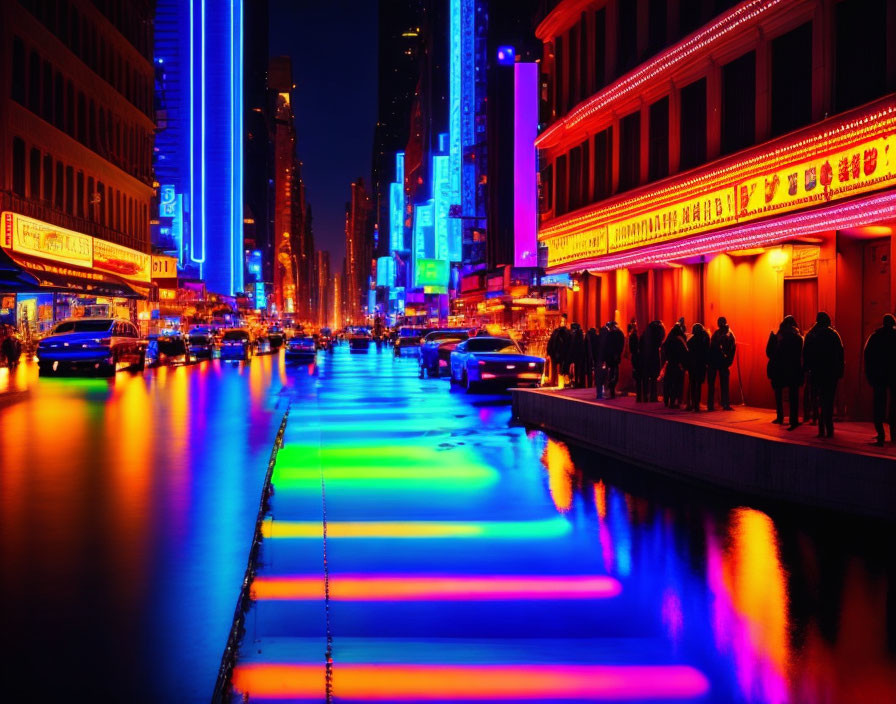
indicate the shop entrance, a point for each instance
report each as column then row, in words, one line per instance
column 642, row 300
column 801, row 301
column 875, row 301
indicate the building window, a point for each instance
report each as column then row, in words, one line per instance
column 79, row 202
column 559, row 105
column 603, row 164
column 574, row 67
column 82, row 119
column 575, row 178
column 658, row 149
column 47, row 106
column 34, row 174
column 629, row 151
column 561, row 198
column 91, row 192
column 547, row 188
column 118, row 210
column 657, row 20
column 48, row 178
column 59, row 201
column 690, row 16
column 34, row 83
column 626, row 37
column 791, row 75
column 860, row 52
column 69, row 108
column 101, row 205
column 739, row 103
column 69, row 190
column 58, row 102
column 692, row 125
column 18, row 166
column 600, row 40
column 18, row 71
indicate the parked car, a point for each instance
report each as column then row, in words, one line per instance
column 301, row 349
column 202, row 345
column 277, row 337
column 236, row 345
column 494, row 360
column 95, row 345
column 436, row 349
column 168, row 348
column 408, row 341
column 359, row 340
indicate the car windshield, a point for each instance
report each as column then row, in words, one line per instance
column 236, row 335
column 171, row 345
column 303, row 341
column 198, row 340
column 83, row 326
column 410, row 332
column 491, row 344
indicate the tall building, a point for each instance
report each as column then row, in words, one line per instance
column 323, row 305
column 723, row 159
column 199, row 144
column 357, row 252
column 76, row 140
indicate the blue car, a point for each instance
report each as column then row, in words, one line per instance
column 99, row 346
column 236, row 345
column 436, row 349
column 168, row 349
column 301, row 349
column 497, row 361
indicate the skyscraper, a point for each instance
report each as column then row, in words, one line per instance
column 199, row 154
column 357, row 252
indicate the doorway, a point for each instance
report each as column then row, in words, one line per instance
column 801, row 301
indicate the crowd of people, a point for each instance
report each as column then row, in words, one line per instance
column 675, row 365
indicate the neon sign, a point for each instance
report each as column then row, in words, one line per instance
column 525, row 190
column 441, row 191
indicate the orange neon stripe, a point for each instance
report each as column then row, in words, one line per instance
column 391, row 682
column 436, row 587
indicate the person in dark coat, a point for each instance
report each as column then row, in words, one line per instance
column 591, row 350
column 634, row 353
column 576, row 359
column 880, row 369
column 612, row 345
column 785, row 369
column 823, row 362
column 698, row 358
column 650, row 356
column 557, row 349
column 722, row 347
column 675, row 354
column 11, row 348
column 597, row 361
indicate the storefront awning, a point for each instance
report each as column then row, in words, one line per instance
column 23, row 274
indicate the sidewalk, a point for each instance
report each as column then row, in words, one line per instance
column 741, row 449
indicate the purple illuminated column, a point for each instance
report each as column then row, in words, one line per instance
column 525, row 194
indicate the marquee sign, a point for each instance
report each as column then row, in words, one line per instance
column 45, row 241
column 859, row 157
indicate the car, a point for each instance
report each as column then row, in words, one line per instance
column 202, row 344
column 301, row 349
column 436, row 349
column 263, row 345
column 95, row 345
column 325, row 339
column 359, row 340
column 494, row 360
column 408, row 341
column 277, row 337
column 168, row 348
column 236, row 345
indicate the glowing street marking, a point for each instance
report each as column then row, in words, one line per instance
column 496, row 530
column 529, row 682
column 410, row 587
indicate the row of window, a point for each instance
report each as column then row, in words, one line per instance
column 581, row 66
column 37, row 85
column 88, row 43
column 581, row 69
column 42, row 178
column 584, row 174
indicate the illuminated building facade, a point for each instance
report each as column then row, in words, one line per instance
column 199, row 144
column 723, row 159
column 322, row 301
column 357, row 253
column 76, row 140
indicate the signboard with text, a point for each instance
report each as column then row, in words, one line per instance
column 40, row 239
column 122, row 261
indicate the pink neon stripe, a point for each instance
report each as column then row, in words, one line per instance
column 350, row 587
column 394, row 682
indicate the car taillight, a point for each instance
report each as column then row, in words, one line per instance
column 481, row 364
column 486, row 375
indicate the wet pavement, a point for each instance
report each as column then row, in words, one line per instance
column 419, row 549
column 126, row 511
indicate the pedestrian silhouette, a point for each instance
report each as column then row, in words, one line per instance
column 722, row 347
column 612, row 345
column 698, row 358
column 675, row 354
column 823, row 362
column 576, row 356
column 557, row 349
column 880, row 369
column 592, row 342
column 785, row 368
column 634, row 353
column 650, row 356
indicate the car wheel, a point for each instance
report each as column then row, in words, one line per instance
column 141, row 365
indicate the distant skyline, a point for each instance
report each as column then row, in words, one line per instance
column 333, row 46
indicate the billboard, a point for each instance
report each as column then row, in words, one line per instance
column 432, row 273
column 385, row 271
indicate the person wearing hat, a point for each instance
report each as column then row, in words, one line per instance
column 880, row 369
column 722, row 347
column 823, row 362
column 612, row 345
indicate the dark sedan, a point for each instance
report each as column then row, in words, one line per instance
column 202, row 345
column 301, row 349
column 94, row 345
column 237, row 345
column 497, row 361
column 436, row 349
column 168, row 348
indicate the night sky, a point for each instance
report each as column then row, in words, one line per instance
column 333, row 45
